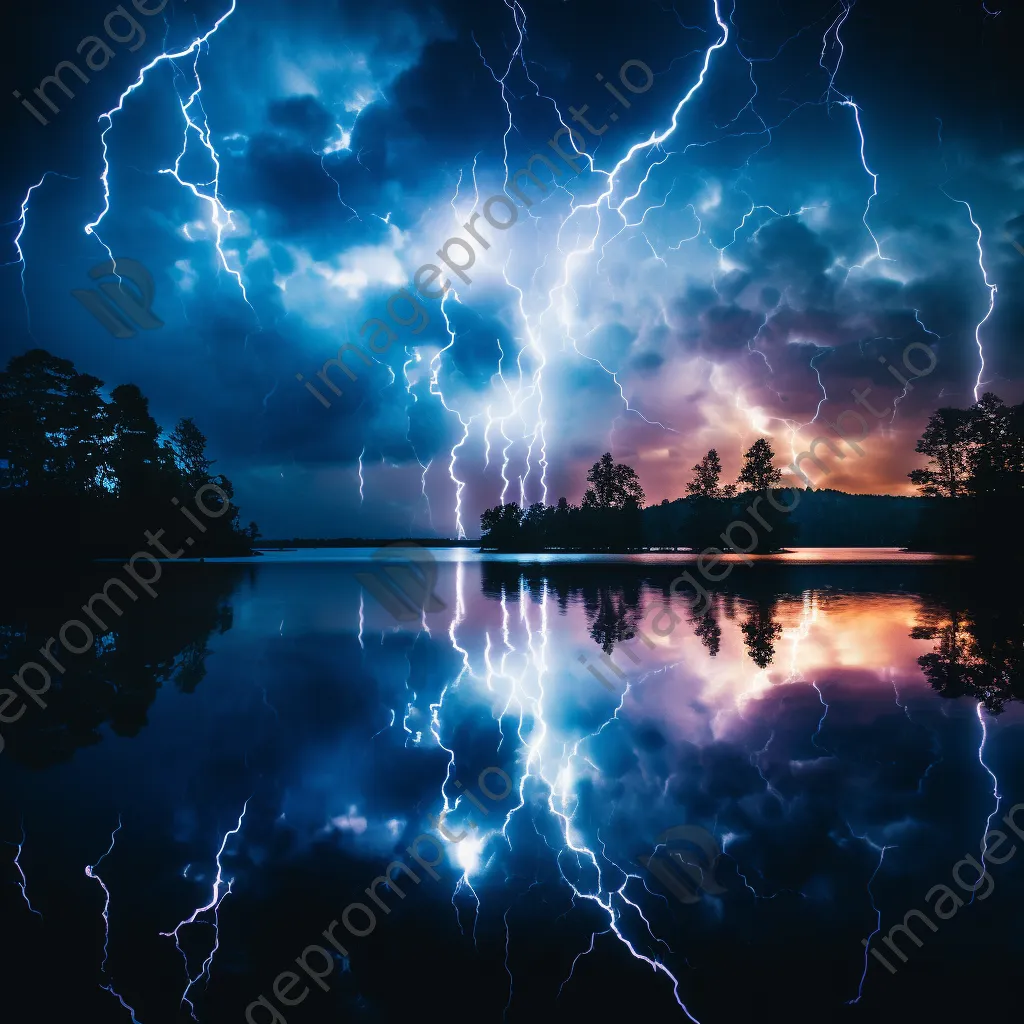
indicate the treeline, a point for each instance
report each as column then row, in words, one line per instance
column 823, row 518
column 976, row 472
column 971, row 492
column 84, row 477
column 611, row 516
column 755, row 502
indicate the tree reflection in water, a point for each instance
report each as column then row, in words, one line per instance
column 979, row 650
column 156, row 640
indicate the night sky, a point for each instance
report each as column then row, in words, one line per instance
column 744, row 290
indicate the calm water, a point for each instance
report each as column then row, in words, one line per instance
column 834, row 739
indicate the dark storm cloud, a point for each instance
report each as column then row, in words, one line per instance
column 722, row 329
column 303, row 116
column 788, row 247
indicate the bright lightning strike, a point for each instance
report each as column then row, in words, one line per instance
column 874, row 907
column 23, row 884
column 216, row 898
column 90, row 872
column 992, row 289
column 22, row 224
column 995, row 787
column 220, row 216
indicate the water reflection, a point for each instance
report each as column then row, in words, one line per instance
column 796, row 721
column 115, row 680
column 978, row 651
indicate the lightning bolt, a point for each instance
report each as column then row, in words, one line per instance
column 878, row 913
column 22, row 885
column 991, row 288
column 832, row 43
column 386, row 727
column 727, row 838
column 524, row 703
column 22, row 223
column 519, row 399
column 323, row 166
column 821, row 721
column 90, row 872
column 808, row 616
column 219, row 214
column 530, row 387
column 526, row 690
column 848, row 102
column 655, row 141
column 995, row 786
column 412, row 359
column 907, row 387
column 435, row 389
column 755, row 760
column 216, row 899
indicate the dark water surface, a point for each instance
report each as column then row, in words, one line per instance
column 832, row 740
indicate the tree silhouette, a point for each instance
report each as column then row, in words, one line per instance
column 706, row 476
column 613, row 485
column 708, row 630
column 502, row 524
column 708, row 512
column 976, row 468
column 83, row 455
column 759, row 633
column 973, row 452
column 137, row 458
column 189, row 446
column 609, row 518
column 759, row 472
column 997, row 452
column 93, row 475
column 947, row 443
column 979, row 651
column 614, row 614
column 51, row 428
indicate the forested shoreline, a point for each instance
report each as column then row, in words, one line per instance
column 82, row 477
column 971, row 491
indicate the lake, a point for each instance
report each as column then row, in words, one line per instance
column 651, row 811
